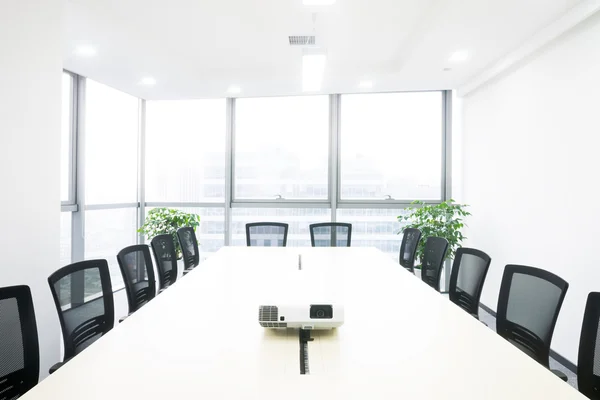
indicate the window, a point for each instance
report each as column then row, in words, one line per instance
column 111, row 137
column 106, row 233
column 65, row 238
column 185, row 151
column 298, row 219
column 282, row 148
column 66, row 144
column 111, row 174
column 374, row 227
column 391, row 145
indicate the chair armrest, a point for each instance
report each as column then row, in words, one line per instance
column 56, row 366
column 560, row 374
column 124, row 318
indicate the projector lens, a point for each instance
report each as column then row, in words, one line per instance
column 321, row 311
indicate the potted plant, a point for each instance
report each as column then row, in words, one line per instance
column 161, row 221
column 443, row 220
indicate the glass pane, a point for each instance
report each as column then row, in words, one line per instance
column 185, row 151
column 391, row 144
column 65, row 238
column 106, row 233
column 211, row 233
column 374, row 227
column 111, row 131
column 298, row 219
column 281, row 147
column 65, row 137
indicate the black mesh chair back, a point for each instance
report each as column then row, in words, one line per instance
column 408, row 248
column 331, row 234
column 432, row 264
column 528, row 305
column 588, row 363
column 189, row 248
column 138, row 274
column 469, row 270
column 19, row 347
column 84, row 300
column 163, row 248
column 267, row 234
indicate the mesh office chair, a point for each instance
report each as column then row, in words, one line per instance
column 408, row 248
column 138, row 274
column 163, row 248
column 330, row 234
column 19, row 348
column 84, row 301
column 469, row 270
column 528, row 305
column 268, row 234
column 434, row 255
column 588, row 363
column 189, row 248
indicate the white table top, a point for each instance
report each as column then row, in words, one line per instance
column 200, row 339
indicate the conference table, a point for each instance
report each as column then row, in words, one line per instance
column 200, row 339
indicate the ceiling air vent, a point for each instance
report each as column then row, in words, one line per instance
column 302, row 40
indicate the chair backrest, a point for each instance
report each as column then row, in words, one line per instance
column 268, row 234
column 468, row 274
column 528, row 305
column 432, row 263
column 189, row 247
column 408, row 248
column 163, row 248
column 19, row 348
column 331, row 234
column 588, row 363
column 84, row 301
column 138, row 274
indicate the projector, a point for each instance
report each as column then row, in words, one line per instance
column 310, row 316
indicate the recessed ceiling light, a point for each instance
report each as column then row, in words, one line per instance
column 459, row 56
column 319, row 2
column 313, row 69
column 148, row 81
column 365, row 84
column 234, row 89
column 85, row 51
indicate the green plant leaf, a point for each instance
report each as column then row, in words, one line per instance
column 161, row 221
column 441, row 220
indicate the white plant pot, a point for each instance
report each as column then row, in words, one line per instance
column 418, row 273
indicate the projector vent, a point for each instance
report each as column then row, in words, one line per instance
column 268, row 314
column 273, row 324
column 302, row 40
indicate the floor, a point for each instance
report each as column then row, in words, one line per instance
column 490, row 320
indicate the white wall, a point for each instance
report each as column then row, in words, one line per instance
column 531, row 152
column 30, row 98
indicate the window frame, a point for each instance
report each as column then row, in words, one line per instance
column 71, row 203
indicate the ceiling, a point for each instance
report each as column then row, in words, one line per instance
column 199, row 48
